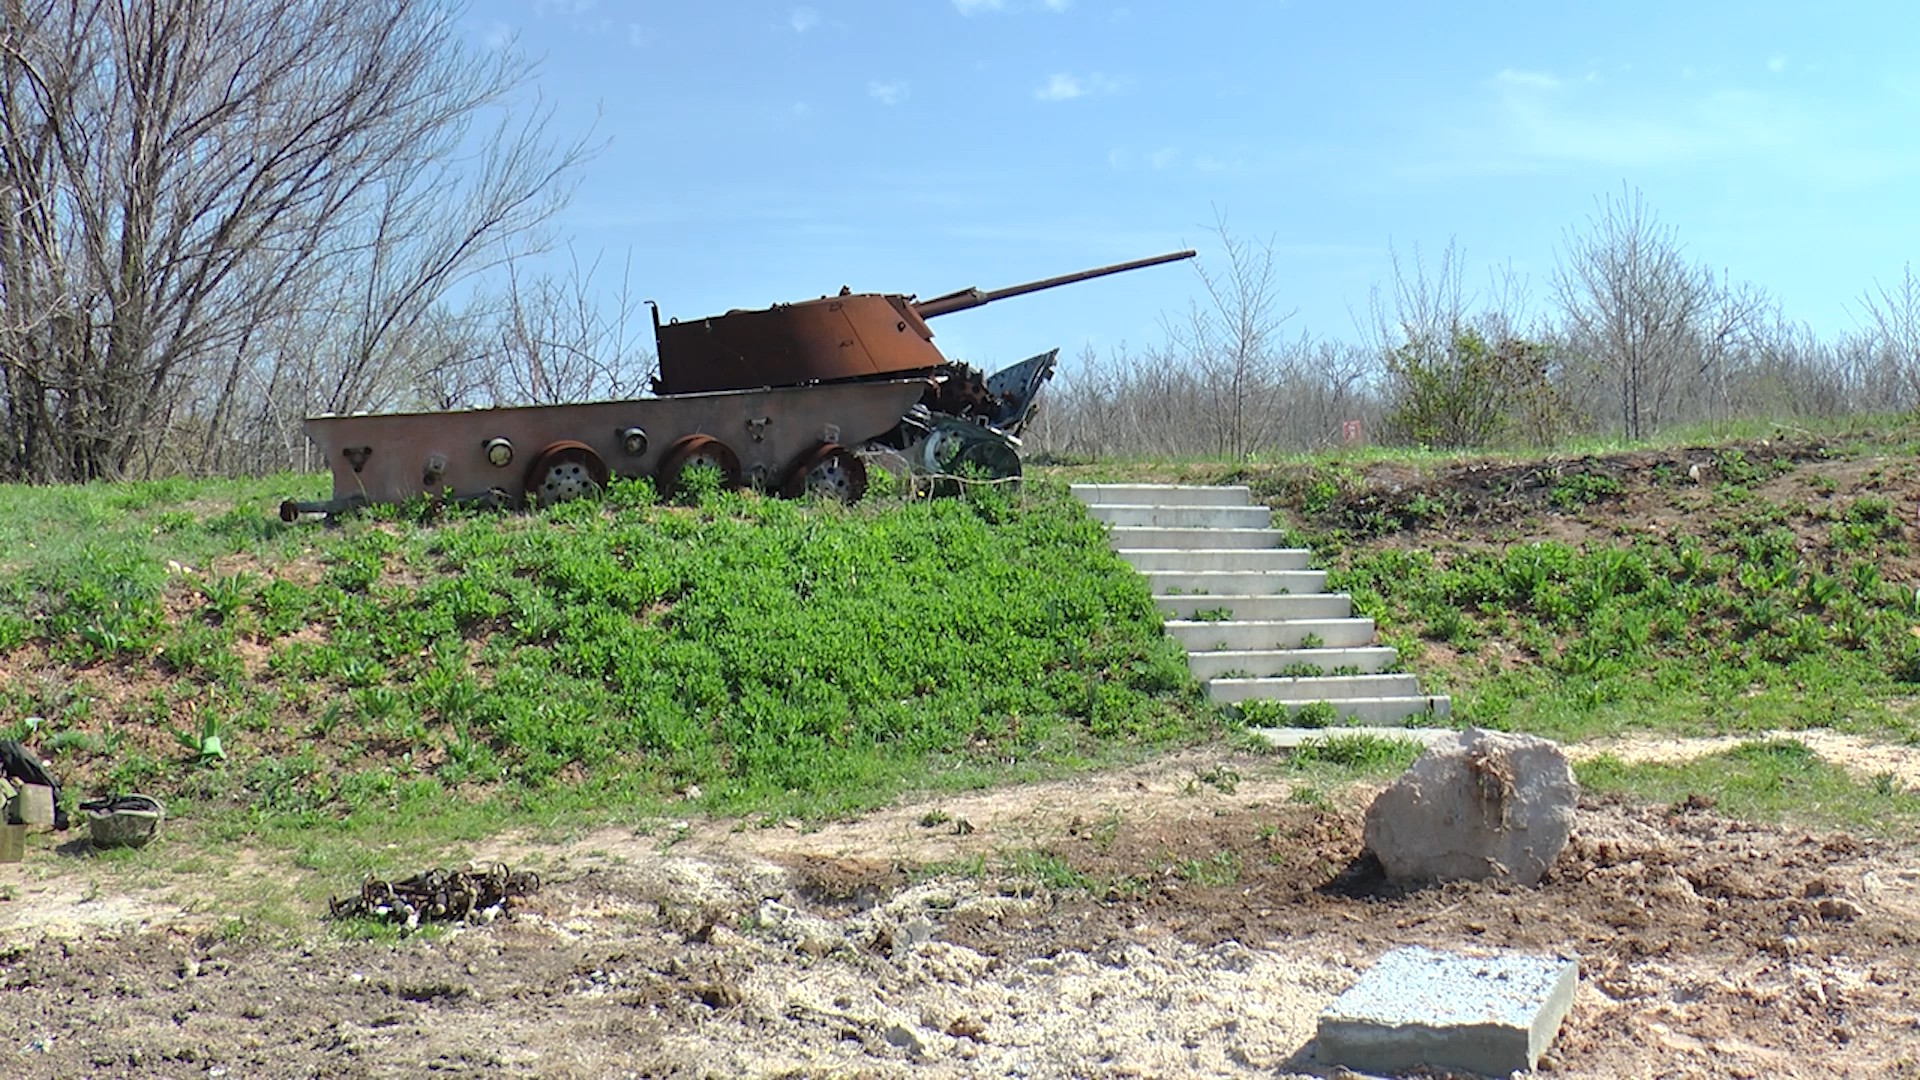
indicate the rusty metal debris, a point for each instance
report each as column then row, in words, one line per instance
column 438, row 895
column 791, row 399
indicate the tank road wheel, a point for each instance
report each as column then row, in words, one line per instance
column 956, row 451
column 831, row 471
column 898, row 471
column 698, row 451
column 565, row 470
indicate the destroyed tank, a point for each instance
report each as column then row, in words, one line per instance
column 795, row 399
column 965, row 422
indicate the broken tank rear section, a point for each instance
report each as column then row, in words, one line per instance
column 965, row 421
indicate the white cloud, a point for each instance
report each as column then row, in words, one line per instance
column 1527, row 80
column 803, row 19
column 1596, row 127
column 544, row 8
column 636, row 35
column 1777, row 64
column 981, row 7
column 1621, row 123
column 498, row 36
column 887, row 93
column 1126, row 159
column 1062, row 86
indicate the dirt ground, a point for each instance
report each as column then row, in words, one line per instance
column 1227, row 906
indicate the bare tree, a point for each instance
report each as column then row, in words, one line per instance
column 555, row 341
column 1891, row 317
column 1734, row 322
column 1632, row 301
column 181, row 179
column 1232, row 339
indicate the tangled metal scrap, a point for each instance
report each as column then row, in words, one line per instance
column 477, row 893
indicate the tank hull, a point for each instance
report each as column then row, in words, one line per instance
column 391, row 457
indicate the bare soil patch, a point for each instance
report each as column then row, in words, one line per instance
column 908, row 944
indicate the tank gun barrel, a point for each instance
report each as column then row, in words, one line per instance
column 972, row 298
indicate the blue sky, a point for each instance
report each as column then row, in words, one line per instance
column 760, row 152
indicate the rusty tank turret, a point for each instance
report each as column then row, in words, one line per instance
column 965, row 417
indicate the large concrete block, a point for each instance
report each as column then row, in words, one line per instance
column 1481, row 804
column 1486, row 1014
column 32, row 805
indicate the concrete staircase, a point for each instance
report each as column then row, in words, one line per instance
column 1257, row 623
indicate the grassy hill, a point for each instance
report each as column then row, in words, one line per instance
column 766, row 658
column 777, row 657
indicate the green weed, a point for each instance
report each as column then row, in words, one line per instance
column 1364, row 754
column 1575, row 490
column 1218, row 870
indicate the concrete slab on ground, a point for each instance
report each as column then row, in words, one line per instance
column 1163, row 494
column 1492, row 1014
column 1290, row 738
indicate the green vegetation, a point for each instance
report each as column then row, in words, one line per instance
column 1358, row 754
column 1733, row 580
column 1582, row 489
column 460, row 674
column 1220, row 869
column 1657, row 631
column 1462, row 389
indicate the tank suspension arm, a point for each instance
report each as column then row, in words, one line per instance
column 972, row 298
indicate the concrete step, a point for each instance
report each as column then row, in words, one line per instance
column 1200, row 636
column 1314, row 688
column 1185, row 517
column 1231, row 582
column 1289, row 738
column 1387, row 710
column 1229, row 561
column 1208, row 551
column 1162, row 495
column 1307, row 603
column 1132, row 537
column 1269, row 662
